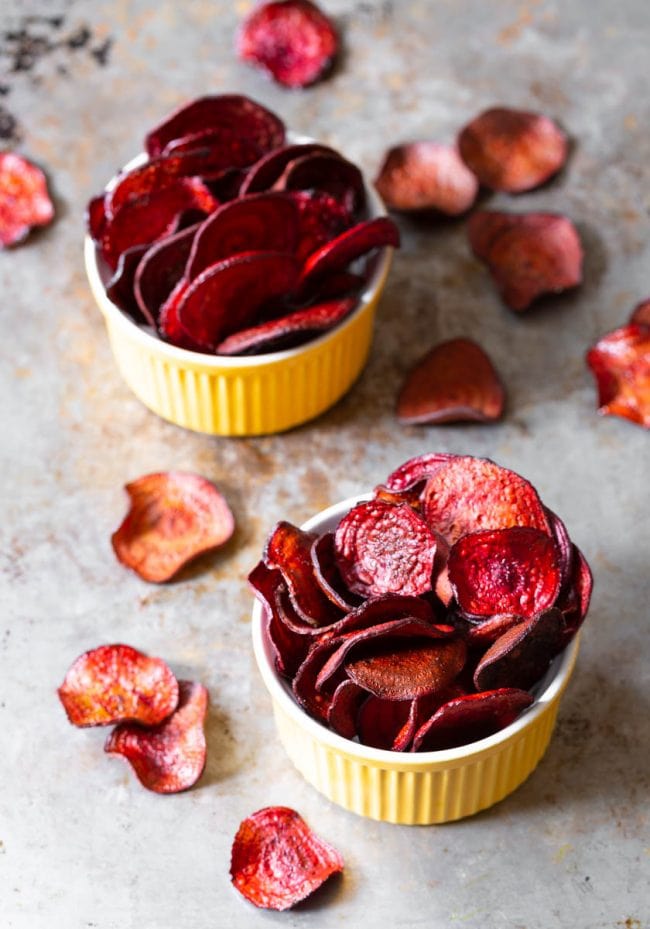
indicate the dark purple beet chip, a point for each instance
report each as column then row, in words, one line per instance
column 342, row 713
column 336, row 255
column 415, row 472
column 470, row 718
column 480, row 632
column 406, row 670
column 317, row 702
column 160, row 271
column 563, row 545
column 380, row 722
column 96, row 217
column 224, row 185
column 120, row 289
column 324, row 173
column 341, row 284
column 327, row 575
column 169, row 325
column 289, row 648
column 321, row 219
column 574, row 602
column 521, row 655
column 214, row 150
column 269, row 168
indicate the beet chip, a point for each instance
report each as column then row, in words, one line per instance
column 117, row 683
column 520, row 656
column 96, row 217
column 160, row 271
column 407, row 670
column 380, row 722
column 121, row 287
column 24, row 198
column 528, row 254
column 321, row 219
column 170, row 757
column 342, row 713
column 327, row 173
column 620, row 363
column 277, row 860
column 263, row 175
column 174, row 517
column 455, row 381
column 169, row 325
column 514, row 570
column 416, row 471
column 426, row 176
column 470, row 718
column 641, row 314
column 350, row 245
column 327, row 575
column 292, row 40
column 513, row 150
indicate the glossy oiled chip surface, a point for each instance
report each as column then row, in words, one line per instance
column 24, row 198
column 620, row 363
column 426, row 176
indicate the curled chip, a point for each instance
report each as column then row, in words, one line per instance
column 269, row 169
column 528, row 254
column 521, row 655
column 513, row 150
column 327, row 575
column 470, row 718
column 169, row 757
column 455, row 381
column 160, row 271
column 380, row 723
column 24, row 199
column 426, row 176
column 277, row 860
column 620, row 363
column 321, row 219
column 121, row 287
column 337, row 254
column 292, row 40
column 174, row 516
column 117, row 683
column 342, row 714
column 328, row 173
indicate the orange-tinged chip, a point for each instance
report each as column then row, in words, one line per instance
column 117, row 683
column 169, row 757
column 174, row 516
column 277, row 860
column 24, row 198
column 620, row 362
column 426, row 176
column 455, row 381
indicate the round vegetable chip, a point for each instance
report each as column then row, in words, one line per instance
column 382, row 548
column 426, row 176
column 160, row 271
column 327, row 575
column 169, row 325
column 521, row 655
column 170, row 757
column 469, row 718
column 96, row 217
column 337, row 254
column 328, row 174
column 620, row 363
column 117, row 683
column 174, row 516
column 264, row 174
column 321, row 219
column 407, row 670
column 342, row 713
column 415, row 471
column 455, row 381
column 380, row 722
column 121, row 287
column 513, row 150
column 292, row 40
column 24, row 198
column 277, row 860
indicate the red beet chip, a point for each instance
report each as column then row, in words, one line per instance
column 407, row 670
column 227, row 113
column 380, row 722
column 327, row 575
column 227, row 296
column 292, row 40
column 620, row 363
column 96, row 217
column 641, row 314
column 263, row 175
column 574, row 604
column 381, row 548
column 321, row 219
column 563, row 545
column 265, row 222
column 426, row 176
column 480, row 633
column 24, row 198
column 169, row 325
column 317, row 702
column 415, row 472
column 117, row 683
column 169, row 757
column 521, row 655
column 342, row 714
column 286, row 331
column 513, row 150
column 337, row 254
column 120, row 290
column 470, row 718
column 277, row 860
column 528, row 255
column 466, row 494
column 160, row 271
column 454, row 382
column 288, row 641
column 174, row 516
column 514, row 570
column 330, row 174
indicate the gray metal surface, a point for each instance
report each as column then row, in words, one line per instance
column 81, row 843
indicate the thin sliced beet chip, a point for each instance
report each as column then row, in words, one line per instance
column 160, row 271
column 407, row 670
column 337, row 254
column 96, row 217
column 467, row 494
column 481, row 632
column 174, row 516
column 641, row 314
column 287, row 639
column 24, row 198
column 264, row 174
column 426, row 176
column 227, row 296
column 341, row 284
column 169, row 757
column 564, row 547
column 521, row 656
column 381, row 548
column 117, row 683
column 324, row 173
column 342, row 714
column 514, row 570
column 528, row 254
column 120, row 290
column 415, row 472
column 470, row 718
column 327, row 575
column 379, row 722
column 321, row 219
column 455, row 381
column 169, row 325
column 277, row 860
column 292, row 40
column 574, row 604
column 513, row 150
column 620, row 363
column 317, row 702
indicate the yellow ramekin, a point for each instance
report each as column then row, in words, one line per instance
column 411, row 788
column 252, row 395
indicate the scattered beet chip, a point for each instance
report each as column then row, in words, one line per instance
column 117, row 683
column 342, row 714
column 521, row 655
column 292, row 40
column 426, row 176
column 121, row 287
column 620, row 363
column 173, row 517
column 408, row 670
column 160, row 271
column 641, row 314
column 227, row 296
column 455, row 381
column 169, row 757
column 468, row 494
column 263, row 175
column 528, row 255
column 469, row 718
column 321, row 219
column 337, row 254
column 225, row 112
column 24, row 198
column 327, row 575
column 330, row 174
column 381, row 548
column 96, row 217
column 277, row 860
column 513, row 150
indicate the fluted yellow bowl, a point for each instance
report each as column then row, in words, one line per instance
column 411, row 788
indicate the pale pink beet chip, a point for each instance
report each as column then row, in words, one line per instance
column 169, row 757
column 620, row 363
column 24, row 198
column 426, row 176
column 174, row 516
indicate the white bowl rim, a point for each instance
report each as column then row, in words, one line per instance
column 553, row 683
column 183, row 355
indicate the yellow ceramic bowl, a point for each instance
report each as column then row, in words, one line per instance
column 250, row 395
column 419, row 788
